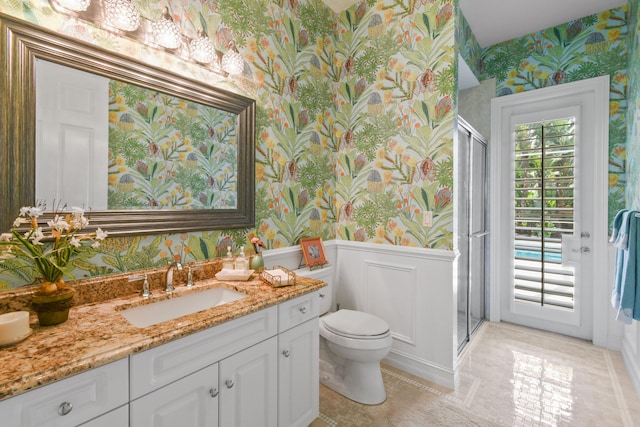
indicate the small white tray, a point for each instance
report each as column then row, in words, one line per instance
column 236, row 275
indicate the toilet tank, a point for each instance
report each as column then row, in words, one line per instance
column 326, row 275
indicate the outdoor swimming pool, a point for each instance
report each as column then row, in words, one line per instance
column 536, row 255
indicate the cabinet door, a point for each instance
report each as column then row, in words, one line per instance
column 70, row 401
column 298, row 376
column 116, row 418
column 189, row 402
column 249, row 387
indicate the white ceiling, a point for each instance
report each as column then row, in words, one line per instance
column 495, row 21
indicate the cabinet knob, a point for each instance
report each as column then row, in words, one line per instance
column 64, row 408
column 321, row 295
column 213, row 392
column 229, row 383
column 286, row 353
column 303, row 309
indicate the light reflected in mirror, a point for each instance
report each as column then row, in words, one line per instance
column 221, row 175
column 105, row 144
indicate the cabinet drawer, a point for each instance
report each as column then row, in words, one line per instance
column 71, row 401
column 162, row 365
column 298, row 310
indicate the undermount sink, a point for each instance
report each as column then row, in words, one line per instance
column 161, row 311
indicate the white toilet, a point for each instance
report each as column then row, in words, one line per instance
column 352, row 344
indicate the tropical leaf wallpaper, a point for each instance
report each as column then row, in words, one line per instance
column 355, row 117
column 354, row 125
column 633, row 114
column 470, row 49
column 592, row 46
column 166, row 152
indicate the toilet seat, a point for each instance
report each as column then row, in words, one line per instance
column 355, row 325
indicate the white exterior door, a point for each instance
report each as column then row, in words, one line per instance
column 72, row 137
column 549, row 206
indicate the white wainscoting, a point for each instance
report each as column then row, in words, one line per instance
column 411, row 288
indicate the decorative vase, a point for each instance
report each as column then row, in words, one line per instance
column 257, row 263
column 53, row 309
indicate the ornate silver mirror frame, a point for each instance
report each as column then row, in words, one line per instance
column 21, row 44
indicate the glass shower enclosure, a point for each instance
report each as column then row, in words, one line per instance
column 472, row 235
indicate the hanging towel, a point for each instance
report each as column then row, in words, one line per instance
column 626, row 237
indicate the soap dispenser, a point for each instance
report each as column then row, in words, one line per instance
column 242, row 262
column 228, row 262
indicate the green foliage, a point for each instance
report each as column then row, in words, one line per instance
column 316, row 18
column 245, row 17
column 123, row 144
column 446, row 81
column 375, row 55
column 504, row 57
column 375, row 212
column 375, row 133
column 316, row 98
column 316, row 172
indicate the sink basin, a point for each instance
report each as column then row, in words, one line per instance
column 161, row 311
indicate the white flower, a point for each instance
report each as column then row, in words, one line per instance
column 75, row 242
column 5, row 237
column 6, row 255
column 95, row 244
column 77, row 211
column 19, row 221
column 35, row 212
column 58, row 224
column 36, row 236
column 101, row 235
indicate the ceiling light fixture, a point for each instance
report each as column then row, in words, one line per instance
column 122, row 15
column 232, row 62
column 201, row 48
column 165, row 31
column 122, row 18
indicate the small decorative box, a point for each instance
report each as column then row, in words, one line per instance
column 278, row 276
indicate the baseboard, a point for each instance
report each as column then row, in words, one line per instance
column 633, row 369
column 423, row 369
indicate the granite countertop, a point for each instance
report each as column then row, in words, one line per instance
column 97, row 334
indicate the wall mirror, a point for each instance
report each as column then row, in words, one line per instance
column 180, row 153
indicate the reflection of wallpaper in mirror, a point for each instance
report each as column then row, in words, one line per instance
column 165, row 152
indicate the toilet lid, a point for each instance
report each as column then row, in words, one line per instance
column 350, row 323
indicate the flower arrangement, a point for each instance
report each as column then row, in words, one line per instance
column 50, row 249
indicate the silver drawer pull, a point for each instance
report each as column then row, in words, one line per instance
column 286, row 353
column 321, row 295
column 303, row 310
column 213, row 392
column 229, row 383
column 64, row 408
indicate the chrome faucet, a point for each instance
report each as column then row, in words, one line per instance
column 168, row 276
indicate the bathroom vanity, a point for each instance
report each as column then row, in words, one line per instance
column 248, row 362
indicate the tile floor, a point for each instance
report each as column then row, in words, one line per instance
column 509, row 376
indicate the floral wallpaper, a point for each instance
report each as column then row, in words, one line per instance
column 159, row 147
column 589, row 47
column 393, row 124
column 633, row 115
column 470, row 49
column 354, row 122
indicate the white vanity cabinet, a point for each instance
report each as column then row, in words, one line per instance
column 71, row 401
column 258, row 370
column 249, row 387
column 298, row 361
column 191, row 401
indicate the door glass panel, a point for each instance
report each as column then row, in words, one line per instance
column 543, row 212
